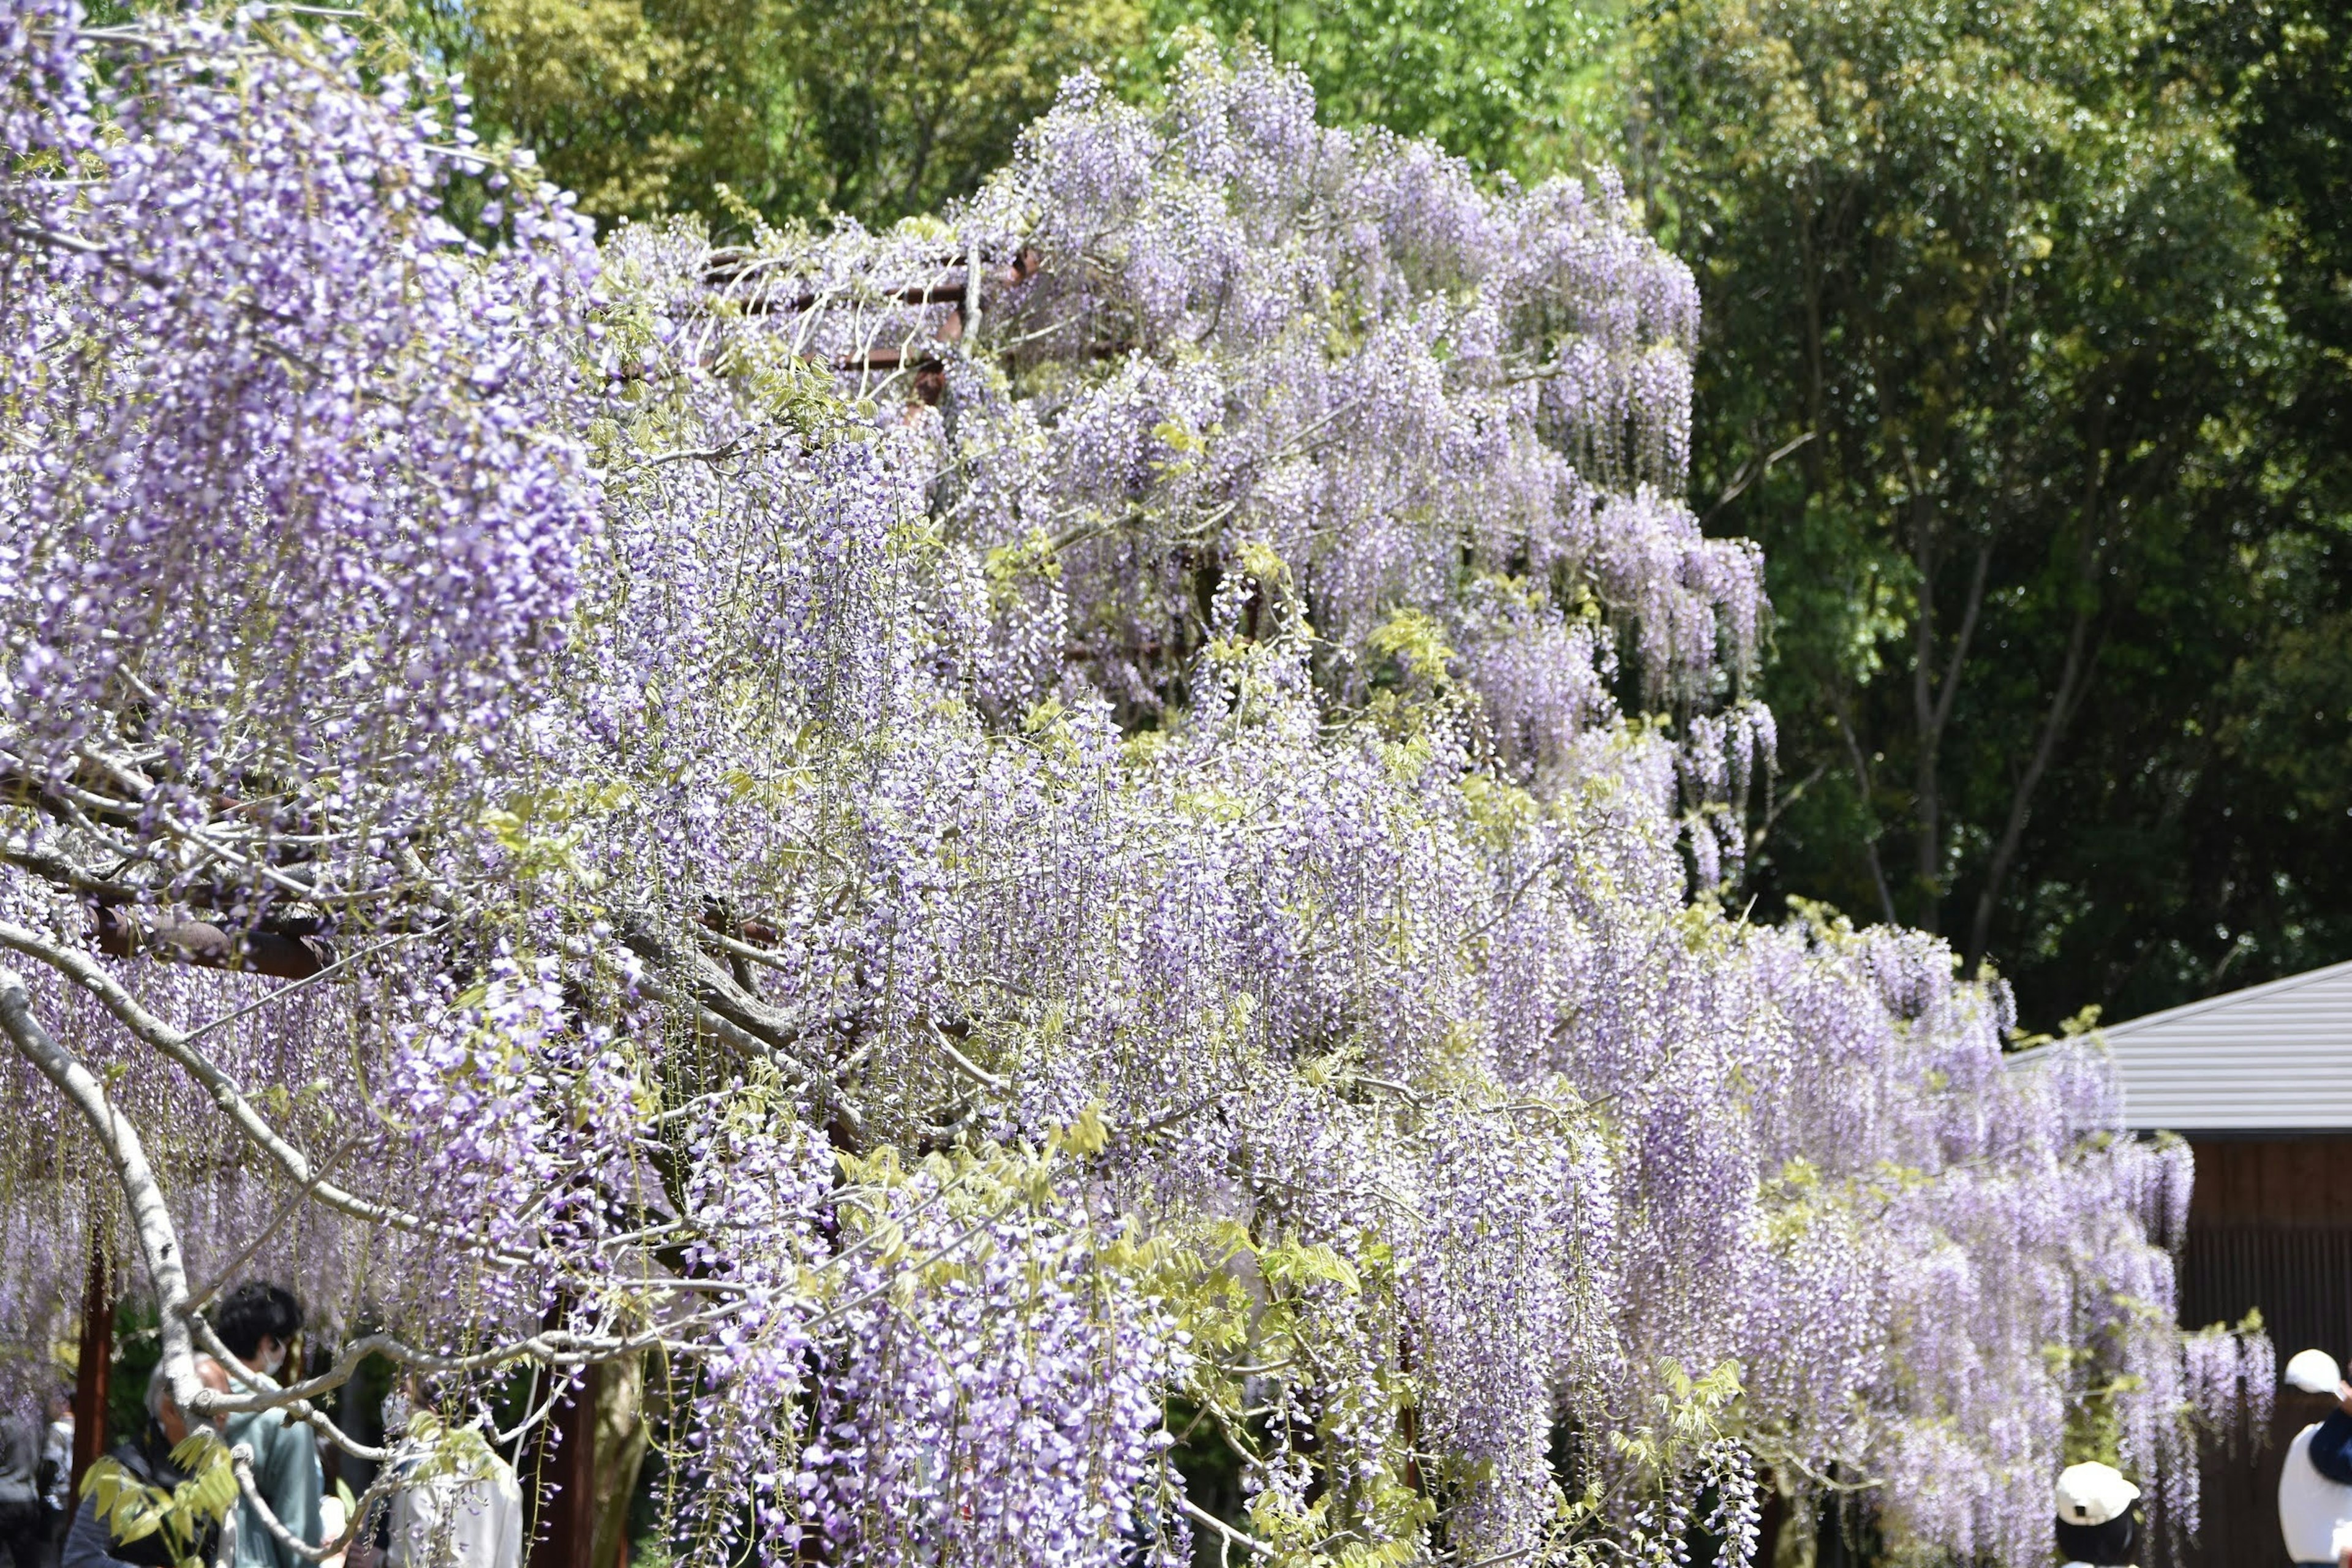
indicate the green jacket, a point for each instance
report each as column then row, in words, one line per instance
column 285, row 1472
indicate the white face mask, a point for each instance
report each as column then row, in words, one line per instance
column 396, row 1412
column 268, row 1364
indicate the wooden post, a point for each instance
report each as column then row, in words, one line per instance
column 91, row 1375
column 567, row 1538
column 1770, row 1522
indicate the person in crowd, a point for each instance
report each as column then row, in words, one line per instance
column 90, row 1542
column 258, row 1323
column 332, row 1520
column 57, row 1466
column 21, row 1536
column 2096, row 1525
column 469, row 1517
column 2315, row 1495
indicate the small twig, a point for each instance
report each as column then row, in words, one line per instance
column 1740, row 484
column 1232, row 1537
column 963, row 1064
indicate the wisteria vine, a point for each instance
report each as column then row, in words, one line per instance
column 1086, row 842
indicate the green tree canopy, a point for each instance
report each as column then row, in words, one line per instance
column 1995, row 337
column 853, row 106
column 1508, row 84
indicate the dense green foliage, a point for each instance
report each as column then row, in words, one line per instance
column 1508, row 84
column 2028, row 327
column 873, row 108
column 1988, row 282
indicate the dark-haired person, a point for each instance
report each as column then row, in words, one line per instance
column 90, row 1542
column 257, row 1323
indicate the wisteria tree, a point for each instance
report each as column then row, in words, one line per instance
column 1095, row 832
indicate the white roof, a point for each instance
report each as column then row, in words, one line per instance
column 2269, row 1058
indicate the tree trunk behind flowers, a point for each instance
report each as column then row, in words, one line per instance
column 92, row 1365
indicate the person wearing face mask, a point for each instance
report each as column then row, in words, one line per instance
column 257, row 1323
column 89, row 1542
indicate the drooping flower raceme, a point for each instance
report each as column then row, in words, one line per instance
column 294, row 490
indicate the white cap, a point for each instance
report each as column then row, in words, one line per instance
column 2094, row 1494
column 2314, row 1372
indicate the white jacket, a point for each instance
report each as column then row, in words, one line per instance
column 447, row 1523
column 2310, row 1505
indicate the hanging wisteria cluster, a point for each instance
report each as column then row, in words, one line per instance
column 1084, row 843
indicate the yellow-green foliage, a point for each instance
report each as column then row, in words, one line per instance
column 133, row 1510
column 875, row 108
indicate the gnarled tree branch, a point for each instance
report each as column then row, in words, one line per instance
column 142, row 1197
column 86, row 971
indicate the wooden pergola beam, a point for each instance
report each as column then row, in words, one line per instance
column 130, row 933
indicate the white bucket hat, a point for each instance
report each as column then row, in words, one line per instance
column 2314, row 1372
column 2094, row 1494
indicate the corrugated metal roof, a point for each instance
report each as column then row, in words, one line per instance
column 2269, row 1058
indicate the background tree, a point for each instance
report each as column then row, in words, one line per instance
column 1993, row 314
column 880, row 110
column 2269, row 829
column 872, row 108
column 1508, row 84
